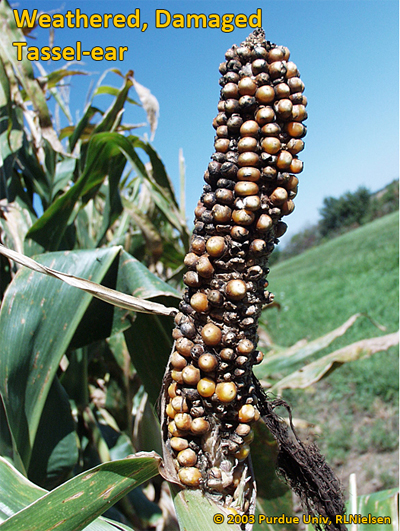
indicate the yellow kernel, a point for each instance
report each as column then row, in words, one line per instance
column 245, row 188
column 183, row 345
column 245, row 346
column 207, row 362
column 211, row 334
column 183, row 421
column 296, row 166
column 190, row 476
column 190, row 375
column 179, row 404
column 206, row 387
column 243, row 217
column 243, row 430
column 215, row 246
column 265, row 115
column 246, row 413
column 178, row 444
column 172, row 390
column 248, row 159
column 176, row 376
column 227, row 354
column 199, row 302
column 173, row 430
column 249, row 128
column 287, row 207
column 247, row 87
column 187, row 457
column 191, row 260
column 296, row 129
column 204, row 267
column 226, row 391
column 243, row 452
column 199, row 426
column 170, row 411
column 278, row 196
column 292, row 183
column 221, row 145
column 178, row 361
column 299, row 113
column 248, row 174
column 248, row 143
column 284, row 160
column 265, row 94
column 271, row 145
column 264, row 223
column 236, row 289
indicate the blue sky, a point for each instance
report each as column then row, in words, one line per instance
column 346, row 52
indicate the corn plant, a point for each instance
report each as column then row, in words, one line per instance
column 79, row 378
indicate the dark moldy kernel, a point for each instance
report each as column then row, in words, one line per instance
column 250, row 184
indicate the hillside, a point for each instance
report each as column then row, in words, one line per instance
column 357, row 406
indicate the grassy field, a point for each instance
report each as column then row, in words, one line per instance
column 357, row 405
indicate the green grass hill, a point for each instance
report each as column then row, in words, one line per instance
column 358, row 404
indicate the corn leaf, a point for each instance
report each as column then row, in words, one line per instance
column 39, row 319
column 195, row 512
column 76, row 503
column 114, row 110
column 283, row 359
column 24, row 71
column 104, row 152
column 100, row 292
column 383, row 503
column 159, row 175
column 149, row 343
column 53, row 78
column 112, row 91
column 55, row 451
column 281, row 505
column 313, row 372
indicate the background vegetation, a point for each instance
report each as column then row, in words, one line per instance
column 357, row 407
column 339, row 215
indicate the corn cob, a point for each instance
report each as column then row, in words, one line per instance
column 210, row 401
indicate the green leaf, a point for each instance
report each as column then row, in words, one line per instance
column 53, row 78
column 264, row 452
column 383, row 503
column 283, row 505
column 16, row 492
column 149, row 343
column 38, row 319
column 112, row 91
column 104, row 151
column 10, row 143
column 30, row 358
column 8, row 446
column 159, row 174
column 55, row 451
column 76, row 503
column 82, row 128
column 63, row 175
column 111, row 115
column 195, row 512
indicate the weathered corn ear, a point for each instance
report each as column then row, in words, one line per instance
column 209, row 401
